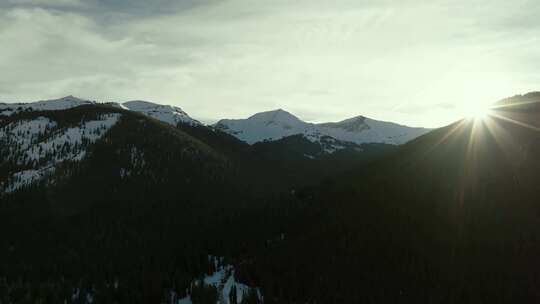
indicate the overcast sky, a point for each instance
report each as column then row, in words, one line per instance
column 413, row 62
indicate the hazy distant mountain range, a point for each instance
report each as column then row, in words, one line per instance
column 264, row 126
column 277, row 124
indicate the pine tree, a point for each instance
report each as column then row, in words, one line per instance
column 251, row 297
column 232, row 295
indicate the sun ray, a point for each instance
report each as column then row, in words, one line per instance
column 516, row 122
column 513, row 105
column 459, row 126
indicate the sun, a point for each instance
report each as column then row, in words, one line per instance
column 478, row 111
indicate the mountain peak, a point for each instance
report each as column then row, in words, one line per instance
column 69, row 97
column 268, row 125
column 44, row 105
column 170, row 114
column 141, row 104
column 354, row 124
column 277, row 116
column 277, row 124
column 355, row 119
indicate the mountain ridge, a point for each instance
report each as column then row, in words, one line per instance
column 170, row 114
column 262, row 126
column 277, row 124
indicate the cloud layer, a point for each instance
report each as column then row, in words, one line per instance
column 412, row 61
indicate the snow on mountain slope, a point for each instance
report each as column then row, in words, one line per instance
column 67, row 102
column 273, row 125
column 365, row 130
column 166, row 113
column 116, row 105
column 169, row 114
column 37, row 146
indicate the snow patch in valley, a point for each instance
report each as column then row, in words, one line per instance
column 224, row 281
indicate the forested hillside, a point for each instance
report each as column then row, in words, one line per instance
column 134, row 210
column 133, row 219
column 103, row 203
column 452, row 217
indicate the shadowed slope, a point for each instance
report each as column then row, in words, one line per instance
column 452, row 216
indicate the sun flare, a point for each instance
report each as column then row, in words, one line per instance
column 478, row 111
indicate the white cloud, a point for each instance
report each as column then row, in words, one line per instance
column 321, row 59
column 72, row 3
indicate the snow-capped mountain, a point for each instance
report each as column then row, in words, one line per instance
column 270, row 125
column 361, row 129
column 169, row 114
column 273, row 125
column 67, row 102
column 36, row 141
column 166, row 113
